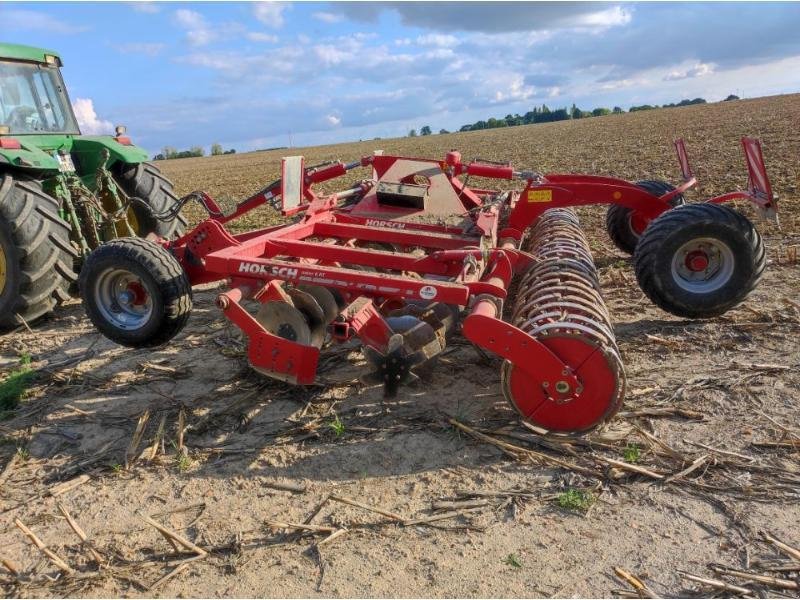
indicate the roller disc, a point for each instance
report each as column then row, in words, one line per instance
column 313, row 312
column 559, row 304
column 600, row 371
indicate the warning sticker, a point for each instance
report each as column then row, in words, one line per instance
column 540, row 195
column 428, row 292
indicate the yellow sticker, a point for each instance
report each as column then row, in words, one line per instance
column 540, row 195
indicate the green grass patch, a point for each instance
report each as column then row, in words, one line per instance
column 576, row 500
column 337, row 425
column 632, row 453
column 14, row 387
column 512, row 560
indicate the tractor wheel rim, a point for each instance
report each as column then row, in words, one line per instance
column 3, row 269
column 702, row 265
column 123, row 299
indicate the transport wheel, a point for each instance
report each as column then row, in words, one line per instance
column 625, row 226
column 135, row 292
column 36, row 257
column 699, row 260
column 145, row 181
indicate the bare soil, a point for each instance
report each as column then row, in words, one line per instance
column 720, row 395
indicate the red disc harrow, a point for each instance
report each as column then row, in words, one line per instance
column 413, row 254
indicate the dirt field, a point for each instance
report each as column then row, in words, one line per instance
column 710, row 423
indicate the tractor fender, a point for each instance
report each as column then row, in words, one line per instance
column 87, row 148
column 28, row 158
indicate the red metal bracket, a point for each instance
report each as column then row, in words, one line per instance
column 483, row 328
column 284, row 359
column 362, row 319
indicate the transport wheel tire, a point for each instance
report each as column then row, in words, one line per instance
column 699, row 260
column 36, row 256
column 625, row 226
column 145, row 181
column 135, row 292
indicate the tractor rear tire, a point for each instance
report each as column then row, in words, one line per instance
column 700, row 260
column 135, row 292
column 619, row 222
column 36, row 256
column 145, row 181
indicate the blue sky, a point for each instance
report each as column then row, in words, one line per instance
column 263, row 74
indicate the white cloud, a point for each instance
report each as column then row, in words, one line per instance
column 611, row 17
column 190, row 19
column 270, row 13
column 333, row 120
column 327, row 17
column 30, row 20
column 438, row 39
column 88, row 120
column 146, row 48
column 698, row 70
column 257, row 36
column 146, row 6
column 198, row 31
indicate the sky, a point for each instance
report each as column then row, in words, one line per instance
column 267, row 74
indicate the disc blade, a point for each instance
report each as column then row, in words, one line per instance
column 315, row 316
column 324, row 298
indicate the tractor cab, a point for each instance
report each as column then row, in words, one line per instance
column 33, row 98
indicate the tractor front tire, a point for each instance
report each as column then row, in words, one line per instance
column 146, row 182
column 622, row 224
column 699, row 260
column 36, row 256
column 135, row 292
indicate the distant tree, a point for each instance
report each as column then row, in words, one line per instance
column 197, row 151
column 618, row 110
column 731, row 97
column 412, row 133
column 216, row 149
column 560, row 114
column 231, row 151
column 600, row 112
column 441, row 131
column 169, row 152
column 426, row 130
column 159, row 157
column 466, row 128
column 642, row 107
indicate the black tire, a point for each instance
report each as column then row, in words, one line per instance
column 145, row 181
column 38, row 256
column 740, row 262
column 618, row 218
column 162, row 279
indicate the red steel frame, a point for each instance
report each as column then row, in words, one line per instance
column 470, row 269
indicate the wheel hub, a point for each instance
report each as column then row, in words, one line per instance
column 123, row 299
column 702, row 265
column 696, row 261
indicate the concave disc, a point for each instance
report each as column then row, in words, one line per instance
column 324, row 298
column 313, row 312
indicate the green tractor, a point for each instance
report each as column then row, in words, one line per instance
column 62, row 194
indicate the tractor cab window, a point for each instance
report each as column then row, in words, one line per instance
column 33, row 99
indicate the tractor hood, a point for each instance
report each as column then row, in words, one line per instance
column 36, row 152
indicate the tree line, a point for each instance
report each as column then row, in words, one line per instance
column 168, row 152
column 544, row 114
